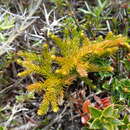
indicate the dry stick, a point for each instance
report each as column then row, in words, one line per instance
column 27, row 126
column 15, row 110
column 11, row 86
column 58, row 117
column 24, row 24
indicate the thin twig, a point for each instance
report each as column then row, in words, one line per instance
column 24, row 25
column 11, row 86
column 58, row 117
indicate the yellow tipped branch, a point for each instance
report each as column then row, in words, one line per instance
column 38, row 86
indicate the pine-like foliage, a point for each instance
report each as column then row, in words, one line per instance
column 72, row 59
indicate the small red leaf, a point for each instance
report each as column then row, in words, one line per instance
column 85, row 106
column 84, row 119
column 106, row 105
column 104, row 100
column 102, row 103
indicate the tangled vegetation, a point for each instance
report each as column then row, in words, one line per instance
column 64, row 65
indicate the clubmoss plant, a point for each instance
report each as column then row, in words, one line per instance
column 72, row 59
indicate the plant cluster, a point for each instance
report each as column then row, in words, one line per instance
column 74, row 59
